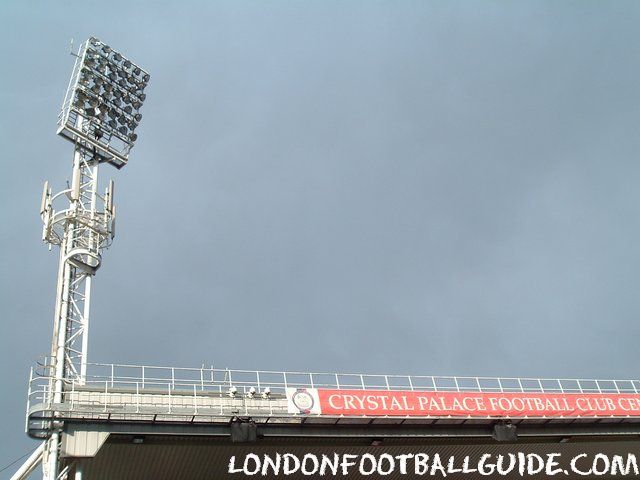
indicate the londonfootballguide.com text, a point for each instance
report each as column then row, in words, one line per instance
column 520, row 464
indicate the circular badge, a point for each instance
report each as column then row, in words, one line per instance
column 303, row 400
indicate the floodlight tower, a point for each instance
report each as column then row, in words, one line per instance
column 100, row 113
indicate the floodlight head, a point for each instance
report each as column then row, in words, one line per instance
column 105, row 87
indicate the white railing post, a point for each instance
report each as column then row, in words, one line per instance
column 195, row 400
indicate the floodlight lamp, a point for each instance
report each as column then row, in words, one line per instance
column 102, row 79
column 85, row 76
column 232, row 391
column 91, row 111
column 137, row 117
column 266, row 392
column 251, row 393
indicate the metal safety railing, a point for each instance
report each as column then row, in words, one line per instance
column 138, row 389
column 145, row 377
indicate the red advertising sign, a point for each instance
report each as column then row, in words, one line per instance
column 464, row 404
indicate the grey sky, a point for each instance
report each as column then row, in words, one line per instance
column 395, row 187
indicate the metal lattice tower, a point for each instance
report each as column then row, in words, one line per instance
column 99, row 115
column 82, row 229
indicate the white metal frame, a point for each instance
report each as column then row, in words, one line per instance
column 82, row 228
column 81, row 221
